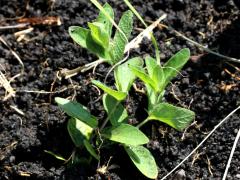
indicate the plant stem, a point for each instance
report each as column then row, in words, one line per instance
column 157, row 52
column 142, row 123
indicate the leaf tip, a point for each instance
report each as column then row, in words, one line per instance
column 58, row 100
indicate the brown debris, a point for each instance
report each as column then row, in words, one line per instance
column 226, row 87
column 231, row 74
column 48, row 20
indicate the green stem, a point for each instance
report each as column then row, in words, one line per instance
column 157, row 52
column 142, row 123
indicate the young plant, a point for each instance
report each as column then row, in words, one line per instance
column 97, row 38
column 156, row 79
column 85, row 130
column 82, row 124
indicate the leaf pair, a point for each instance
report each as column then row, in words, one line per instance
column 120, row 131
column 97, row 39
column 81, row 125
column 133, row 139
column 158, row 77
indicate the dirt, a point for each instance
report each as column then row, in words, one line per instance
column 208, row 85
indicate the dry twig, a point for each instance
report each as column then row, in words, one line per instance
column 15, row 26
column 231, row 155
column 21, row 34
column 145, row 33
column 189, row 155
column 15, row 108
column 14, row 53
column 48, row 20
column 48, row 92
column 6, row 84
column 198, row 44
column 33, row 21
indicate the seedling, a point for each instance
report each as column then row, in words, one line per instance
column 155, row 80
column 91, row 134
column 82, row 124
column 98, row 37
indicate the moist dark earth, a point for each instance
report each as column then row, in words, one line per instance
column 208, row 85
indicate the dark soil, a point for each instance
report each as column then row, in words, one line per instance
column 206, row 87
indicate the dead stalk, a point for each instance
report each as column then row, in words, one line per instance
column 214, row 129
column 70, row 73
column 231, row 155
column 15, row 26
column 7, row 86
column 15, row 108
column 48, row 92
column 198, row 44
column 145, row 33
column 13, row 53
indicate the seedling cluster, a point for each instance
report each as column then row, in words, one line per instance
column 87, row 131
column 97, row 39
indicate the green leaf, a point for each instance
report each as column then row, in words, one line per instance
column 139, row 72
column 99, row 34
column 55, row 155
column 152, row 97
column 124, row 76
column 120, row 41
column 78, row 131
column 97, row 49
column 150, row 65
column 90, row 149
column 126, row 134
column 76, row 110
column 158, row 78
column 176, row 117
column 116, row 94
column 79, row 35
column 104, row 20
column 143, row 160
column 83, row 37
column 155, row 72
column 172, row 67
column 115, row 110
